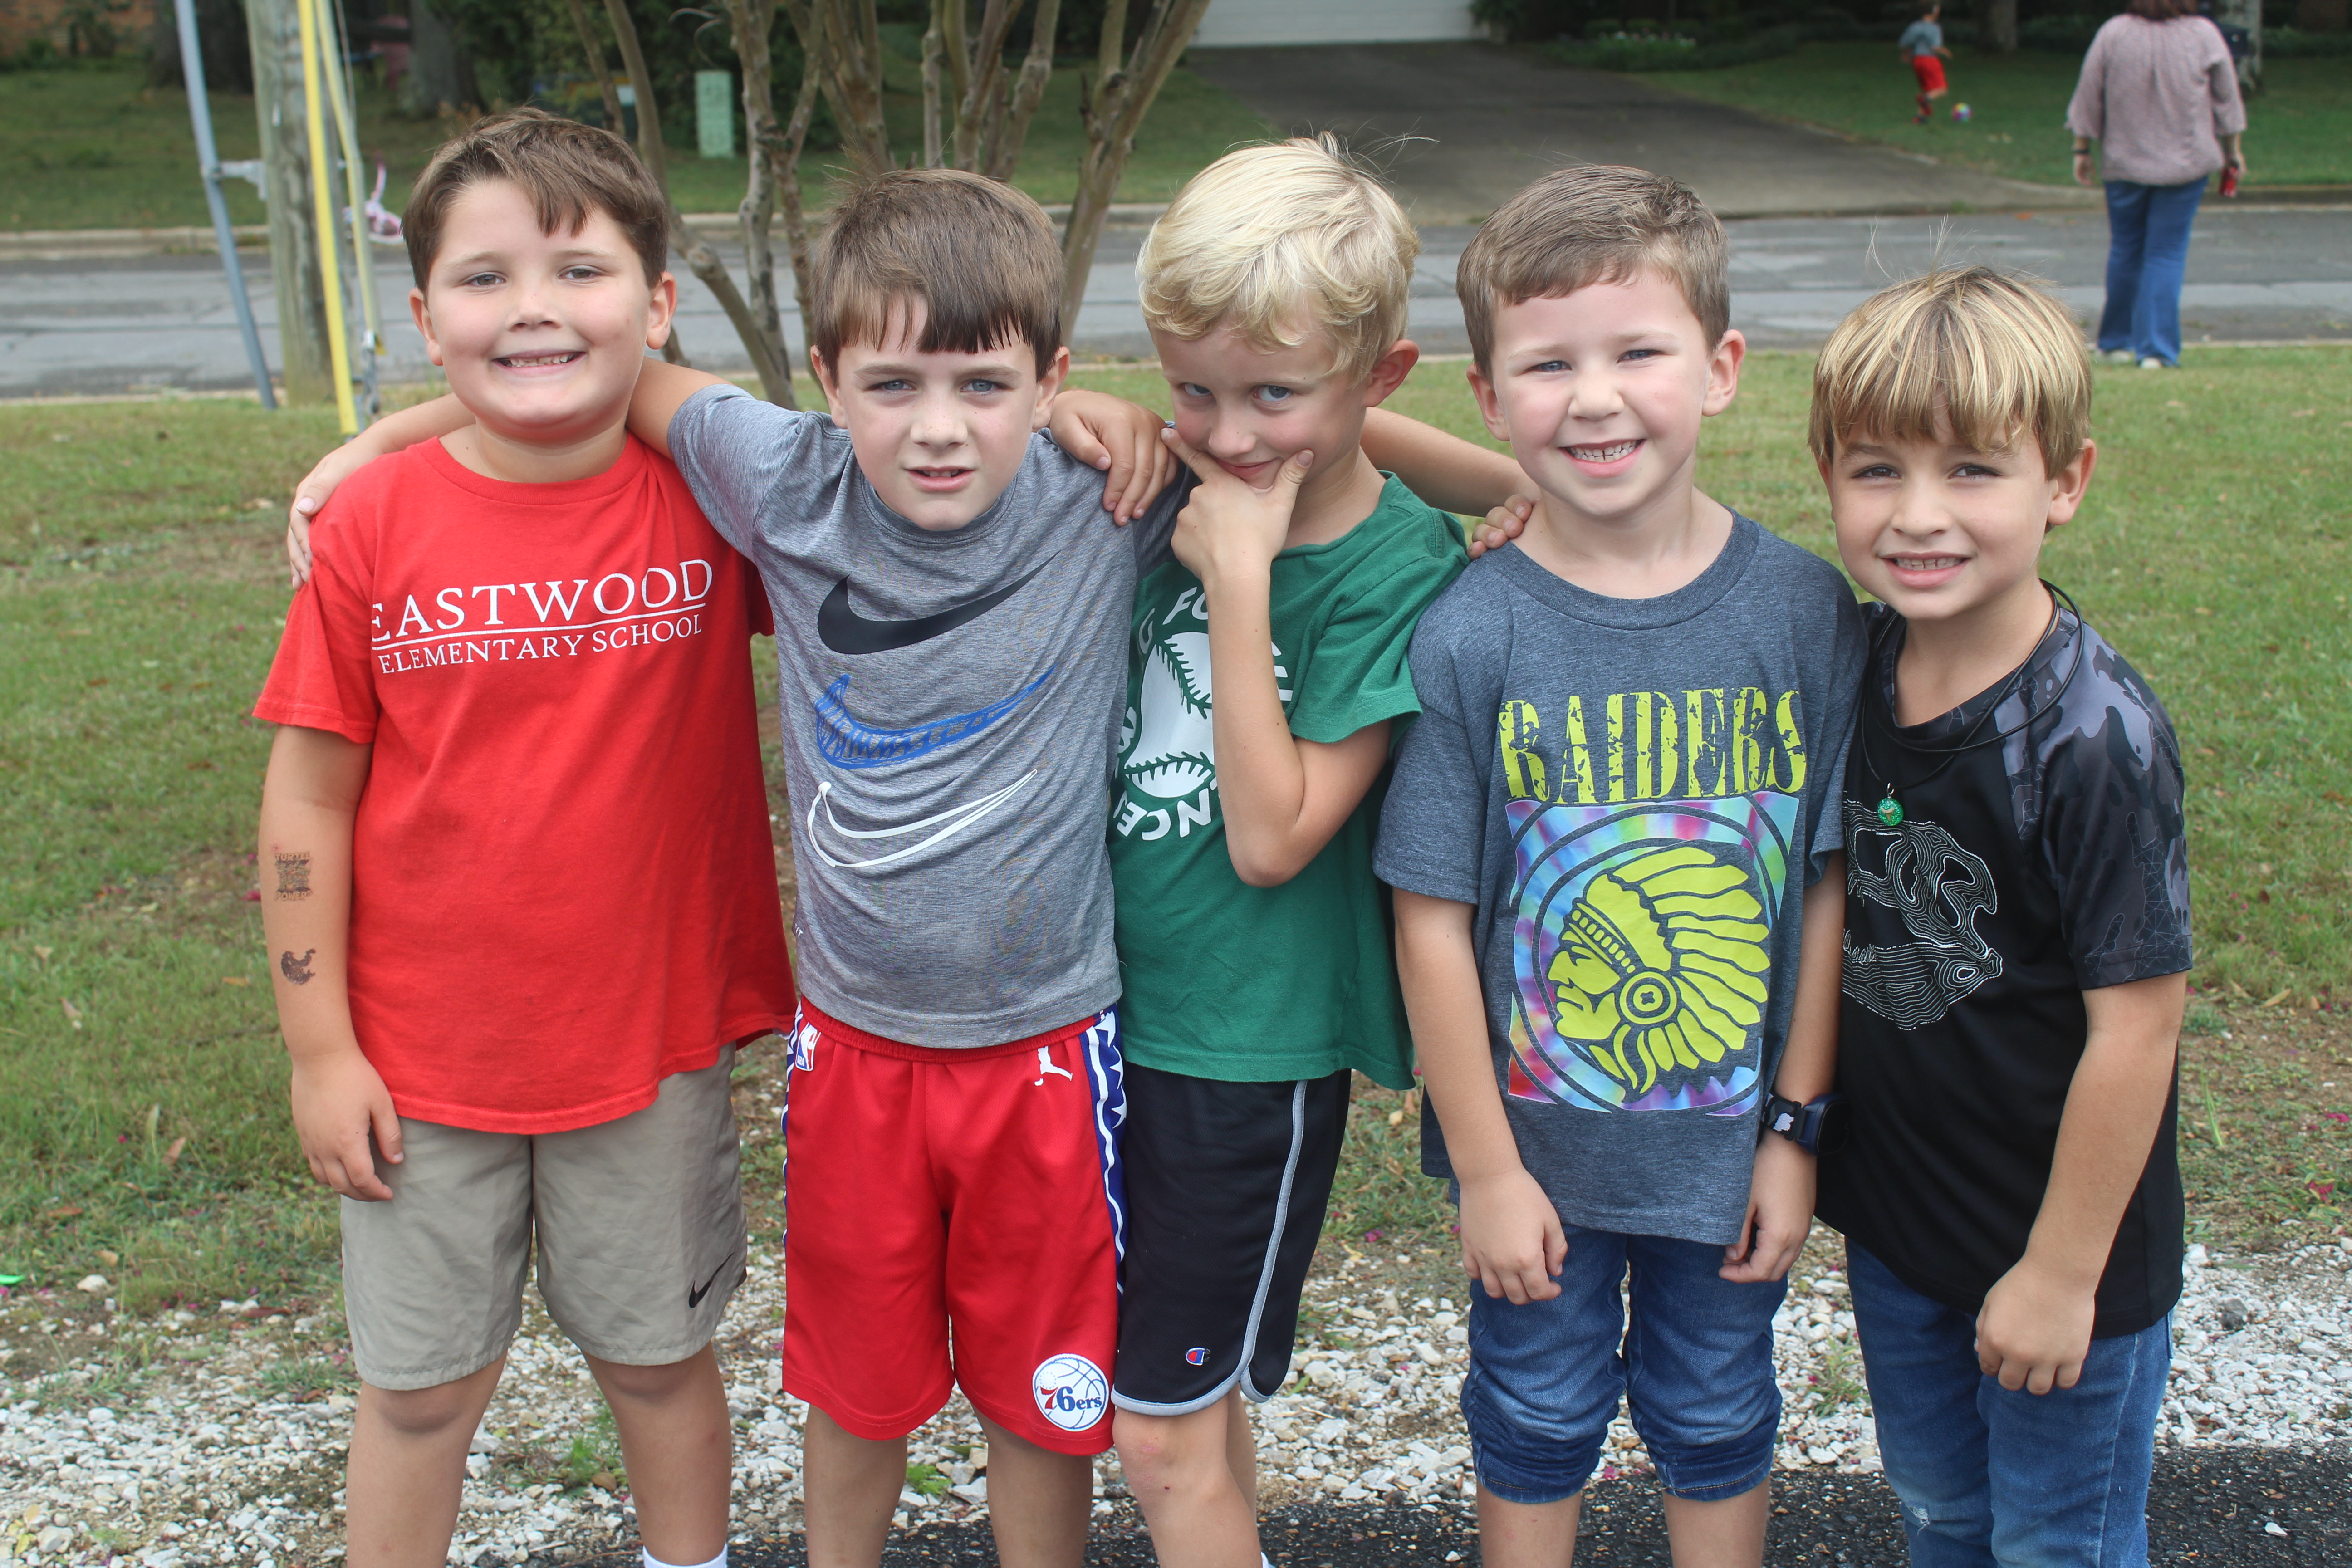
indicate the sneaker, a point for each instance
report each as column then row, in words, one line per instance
column 1918, row 120
column 2152, row 362
column 2120, row 356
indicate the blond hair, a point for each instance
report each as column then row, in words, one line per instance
column 1280, row 241
column 1967, row 355
column 1594, row 223
column 567, row 169
column 979, row 254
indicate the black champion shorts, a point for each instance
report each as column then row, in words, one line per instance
column 1226, row 1185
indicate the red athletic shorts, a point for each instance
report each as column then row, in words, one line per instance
column 1930, row 72
column 954, row 1218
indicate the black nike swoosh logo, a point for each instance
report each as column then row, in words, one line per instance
column 844, row 630
column 694, row 1296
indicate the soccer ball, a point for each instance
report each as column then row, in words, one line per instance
column 1962, row 114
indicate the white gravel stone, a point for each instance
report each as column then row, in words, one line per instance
column 200, row 1459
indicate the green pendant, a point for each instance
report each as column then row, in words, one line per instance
column 1890, row 811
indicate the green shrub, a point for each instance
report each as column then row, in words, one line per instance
column 2287, row 43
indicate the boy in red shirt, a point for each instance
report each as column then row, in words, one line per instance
column 522, row 910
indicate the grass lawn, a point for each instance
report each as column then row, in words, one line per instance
column 2299, row 128
column 143, row 1123
column 92, row 146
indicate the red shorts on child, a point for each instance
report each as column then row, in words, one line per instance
column 1930, row 72
column 954, row 1216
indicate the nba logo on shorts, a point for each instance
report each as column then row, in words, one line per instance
column 1196, row 1356
column 1071, row 1391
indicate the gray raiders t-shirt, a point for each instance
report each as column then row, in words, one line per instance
column 1634, row 793
column 951, row 704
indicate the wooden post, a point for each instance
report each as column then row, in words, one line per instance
column 306, row 360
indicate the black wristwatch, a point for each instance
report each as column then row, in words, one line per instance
column 1816, row 1126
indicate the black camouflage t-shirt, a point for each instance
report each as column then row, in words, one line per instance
column 2022, row 874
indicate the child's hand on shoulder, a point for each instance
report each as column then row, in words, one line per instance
column 1121, row 437
column 1512, row 1242
column 1228, row 526
column 311, row 494
column 1503, row 524
column 2035, row 1330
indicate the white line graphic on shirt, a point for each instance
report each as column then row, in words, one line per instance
column 948, row 824
column 1939, row 889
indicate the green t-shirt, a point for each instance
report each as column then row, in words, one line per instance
column 1222, row 980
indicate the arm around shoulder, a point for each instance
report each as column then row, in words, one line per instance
column 662, row 390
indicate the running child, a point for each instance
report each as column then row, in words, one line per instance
column 1922, row 44
column 2017, row 945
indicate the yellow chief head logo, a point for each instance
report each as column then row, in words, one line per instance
column 1661, row 965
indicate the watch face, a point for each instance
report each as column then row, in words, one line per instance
column 1837, row 1126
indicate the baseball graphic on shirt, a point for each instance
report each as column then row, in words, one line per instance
column 1661, row 965
column 1169, row 745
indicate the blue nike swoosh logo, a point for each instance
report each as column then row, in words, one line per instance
column 847, row 740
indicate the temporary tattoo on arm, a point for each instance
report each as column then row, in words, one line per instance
column 294, row 875
column 296, row 970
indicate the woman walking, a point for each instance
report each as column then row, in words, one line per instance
column 2159, row 95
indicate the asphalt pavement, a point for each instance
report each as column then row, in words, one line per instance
column 2245, row 1507
column 1816, row 223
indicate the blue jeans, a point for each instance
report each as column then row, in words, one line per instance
column 2148, row 256
column 1696, row 1365
column 1990, row 1476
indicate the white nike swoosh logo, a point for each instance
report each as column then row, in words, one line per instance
column 948, row 824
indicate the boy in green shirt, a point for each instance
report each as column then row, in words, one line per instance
column 1266, row 684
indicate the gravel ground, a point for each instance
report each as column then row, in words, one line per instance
column 218, row 1439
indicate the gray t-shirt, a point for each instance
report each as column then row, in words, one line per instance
column 951, row 704
column 1634, row 793
column 1921, row 38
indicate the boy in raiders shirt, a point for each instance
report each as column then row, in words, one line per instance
column 2017, row 942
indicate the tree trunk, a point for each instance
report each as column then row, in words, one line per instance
column 767, row 361
column 2246, row 13
column 750, row 21
column 1004, row 148
column 2001, row 25
column 843, row 37
column 275, row 30
column 1113, row 111
column 439, row 75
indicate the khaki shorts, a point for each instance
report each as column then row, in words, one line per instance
column 638, row 1222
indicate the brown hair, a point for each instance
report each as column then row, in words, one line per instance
column 2162, row 10
column 1969, row 355
column 569, row 171
column 1593, row 224
column 979, row 254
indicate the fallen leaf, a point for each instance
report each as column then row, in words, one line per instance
column 107, row 1258
column 43, row 954
column 238, row 980
column 2271, row 1001
column 73, row 1013
column 172, row 1154
column 69, row 1212
column 606, row 1480
column 199, row 766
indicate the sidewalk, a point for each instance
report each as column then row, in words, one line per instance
column 1459, row 127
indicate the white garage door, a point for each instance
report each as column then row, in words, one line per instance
column 1235, row 23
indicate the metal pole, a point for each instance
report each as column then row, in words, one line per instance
column 322, row 204
column 192, row 64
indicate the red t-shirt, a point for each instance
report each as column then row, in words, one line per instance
column 563, row 887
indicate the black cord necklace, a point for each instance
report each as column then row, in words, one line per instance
column 1890, row 808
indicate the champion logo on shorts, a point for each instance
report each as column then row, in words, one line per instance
column 1197, row 1356
column 1072, row 1391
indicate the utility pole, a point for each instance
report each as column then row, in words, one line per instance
column 275, row 29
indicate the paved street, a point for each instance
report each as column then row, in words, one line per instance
column 163, row 321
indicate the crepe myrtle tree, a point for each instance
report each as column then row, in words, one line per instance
column 976, row 116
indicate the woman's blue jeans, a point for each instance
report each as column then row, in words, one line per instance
column 2148, row 256
column 1987, row 1475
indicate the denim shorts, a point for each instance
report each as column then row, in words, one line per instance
column 1694, row 1363
column 1988, row 1474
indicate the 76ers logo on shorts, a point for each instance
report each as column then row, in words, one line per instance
column 1071, row 1391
